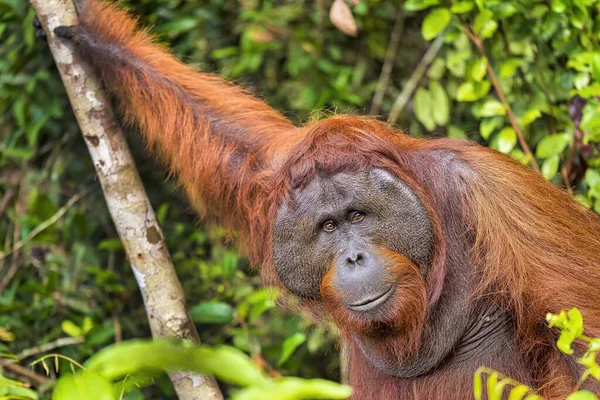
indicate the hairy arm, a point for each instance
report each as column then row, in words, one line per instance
column 213, row 136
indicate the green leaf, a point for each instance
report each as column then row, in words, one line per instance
column 85, row 386
column 549, row 169
column 508, row 68
column 551, row 145
column 530, row 116
column 436, row 70
column 71, row 329
column 440, row 107
column 455, row 132
column 596, row 67
column 435, row 22
column 559, row 6
column 295, row 389
column 488, row 126
column 592, row 177
column 461, row 7
column 178, row 26
column 506, row 140
column 472, row 91
column 477, row 386
column 290, row 345
column 495, row 388
column 582, row 395
column 422, row 106
column 212, row 312
column 518, row 392
column 418, row 5
column 492, row 108
column 478, row 69
column 581, row 80
column 484, row 25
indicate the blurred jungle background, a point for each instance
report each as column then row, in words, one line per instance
column 520, row 76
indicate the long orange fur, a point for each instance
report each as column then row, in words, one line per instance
column 536, row 250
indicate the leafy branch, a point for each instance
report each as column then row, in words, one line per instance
column 494, row 80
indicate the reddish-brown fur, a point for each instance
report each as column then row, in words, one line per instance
column 533, row 248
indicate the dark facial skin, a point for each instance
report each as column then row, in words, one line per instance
column 344, row 219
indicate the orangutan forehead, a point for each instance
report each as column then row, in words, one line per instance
column 369, row 186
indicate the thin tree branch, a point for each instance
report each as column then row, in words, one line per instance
column 61, row 342
column 6, row 199
column 127, row 201
column 494, row 80
column 388, row 64
column 27, row 374
column 415, row 78
column 44, row 225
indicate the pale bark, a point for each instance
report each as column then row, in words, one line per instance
column 127, row 201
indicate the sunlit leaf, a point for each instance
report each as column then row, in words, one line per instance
column 484, row 25
column 418, row 5
column 461, row 7
column 506, row 140
column 472, row 91
column 435, row 22
column 422, row 107
column 84, row 386
column 440, row 107
column 290, row 345
column 518, row 392
column 549, row 169
column 551, row 145
column 582, row 395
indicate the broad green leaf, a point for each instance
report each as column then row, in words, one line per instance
column 455, row 132
column 230, row 365
column 422, row 106
column 295, row 389
column 88, row 385
column 559, row 6
column 549, row 169
column 506, row 140
column 440, row 104
column 508, row 68
column 418, row 5
column 592, row 177
column 472, row 91
column 478, row 69
column 436, row 70
column 71, row 329
column 290, row 345
column 492, row 108
column 461, row 7
column 487, row 126
column 581, row 80
column 484, row 24
column 530, row 116
column 212, row 312
column 435, row 22
column 582, row 395
column 551, row 145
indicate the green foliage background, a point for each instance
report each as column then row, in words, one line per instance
column 72, row 278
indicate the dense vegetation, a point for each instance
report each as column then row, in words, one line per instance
column 522, row 76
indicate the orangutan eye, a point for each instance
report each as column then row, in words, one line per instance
column 357, row 216
column 329, row 226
